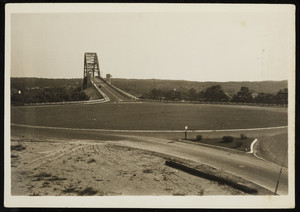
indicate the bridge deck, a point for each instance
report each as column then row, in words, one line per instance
column 113, row 95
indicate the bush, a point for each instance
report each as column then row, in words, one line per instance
column 17, row 147
column 227, row 139
column 198, row 137
column 243, row 136
column 238, row 144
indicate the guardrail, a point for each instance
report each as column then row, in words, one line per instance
column 128, row 95
column 64, row 102
column 106, row 98
column 220, row 103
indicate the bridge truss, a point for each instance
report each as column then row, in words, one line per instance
column 91, row 68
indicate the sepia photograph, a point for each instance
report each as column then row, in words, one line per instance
column 150, row 105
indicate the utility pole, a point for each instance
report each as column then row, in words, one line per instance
column 277, row 184
column 278, row 181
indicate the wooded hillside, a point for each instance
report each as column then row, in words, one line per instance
column 139, row 87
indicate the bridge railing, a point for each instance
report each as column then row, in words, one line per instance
column 128, row 95
column 123, row 93
column 105, row 97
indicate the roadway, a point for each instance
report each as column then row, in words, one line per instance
column 238, row 163
column 112, row 94
column 242, row 164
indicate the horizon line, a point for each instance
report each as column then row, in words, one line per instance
column 162, row 79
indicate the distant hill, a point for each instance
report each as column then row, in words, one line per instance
column 139, row 87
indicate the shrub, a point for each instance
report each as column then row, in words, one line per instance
column 198, row 137
column 147, row 171
column 227, row 139
column 238, row 144
column 17, row 147
column 243, row 136
column 89, row 191
column 91, row 160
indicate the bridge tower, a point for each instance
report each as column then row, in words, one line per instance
column 91, row 68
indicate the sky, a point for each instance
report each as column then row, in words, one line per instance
column 212, row 45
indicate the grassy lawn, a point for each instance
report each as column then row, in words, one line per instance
column 159, row 116
column 274, row 148
column 150, row 116
column 237, row 143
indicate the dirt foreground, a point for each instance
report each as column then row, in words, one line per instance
column 86, row 167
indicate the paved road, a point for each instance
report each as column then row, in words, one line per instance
column 113, row 95
column 241, row 164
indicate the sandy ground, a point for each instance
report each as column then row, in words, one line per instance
column 86, row 167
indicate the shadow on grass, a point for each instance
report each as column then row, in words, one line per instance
column 47, row 177
column 89, row 191
column 91, row 161
column 17, row 147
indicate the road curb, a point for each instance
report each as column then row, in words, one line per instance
column 210, row 176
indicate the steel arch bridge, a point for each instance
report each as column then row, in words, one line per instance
column 91, row 68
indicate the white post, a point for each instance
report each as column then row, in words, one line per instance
column 185, row 132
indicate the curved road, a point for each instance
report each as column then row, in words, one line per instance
column 238, row 163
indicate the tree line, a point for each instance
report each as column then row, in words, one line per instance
column 22, row 95
column 216, row 94
column 31, row 82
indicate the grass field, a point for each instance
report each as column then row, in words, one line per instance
column 237, row 143
column 159, row 116
column 274, row 148
column 57, row 161
column 150, row 116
